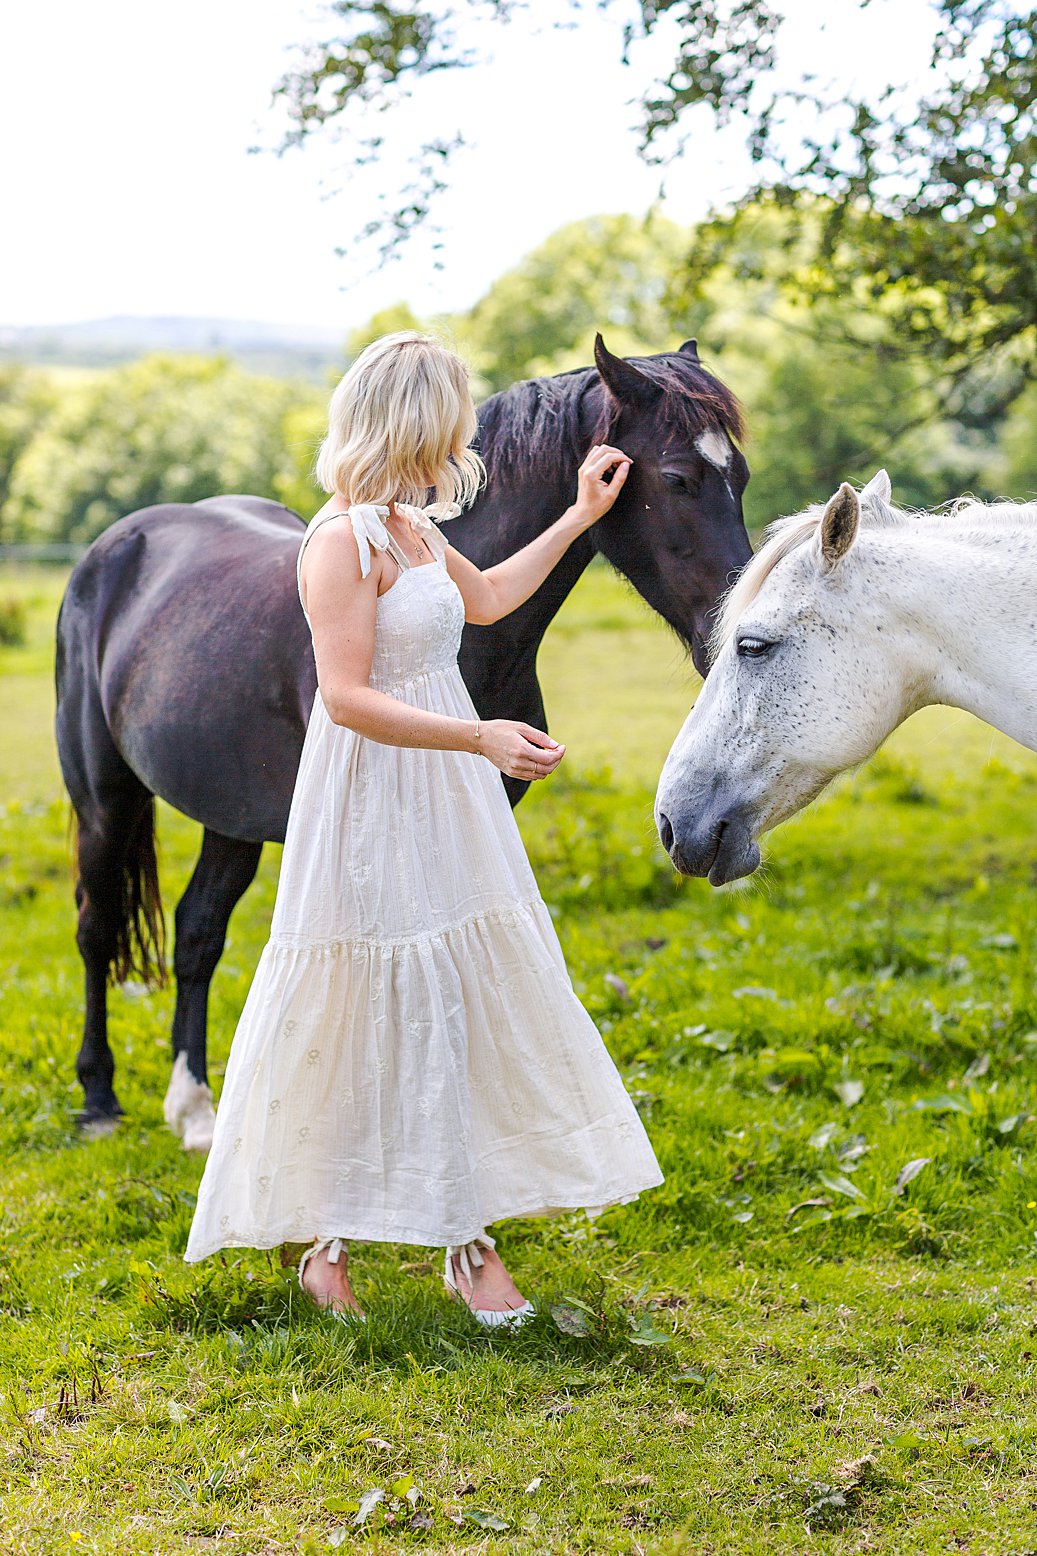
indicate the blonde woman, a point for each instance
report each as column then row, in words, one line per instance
column 412, row 1064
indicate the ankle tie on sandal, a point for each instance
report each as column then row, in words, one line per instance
column 334, row 1245
column 468, row 1255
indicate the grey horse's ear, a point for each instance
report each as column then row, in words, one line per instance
column 690, row 349
column 625, row 382
column 878, row 489
column 839, row 525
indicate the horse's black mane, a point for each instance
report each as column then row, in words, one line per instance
column 537, row 423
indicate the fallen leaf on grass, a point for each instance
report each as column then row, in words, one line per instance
column 369, row 1440
column 909, row 1172
column 945, row 1104
column 806, row 1204
column 534, row 1486
column 849, row 1092
column 840, row 1184
column 485, row 1520
column 368, row 1502
column 571, row 1318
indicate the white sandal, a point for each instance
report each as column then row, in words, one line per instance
column 334, row 1245
column 467, row 1255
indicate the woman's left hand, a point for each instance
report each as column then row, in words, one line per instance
column 595, row 495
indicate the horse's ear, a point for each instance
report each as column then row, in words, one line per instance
column 839, row 525
column 690, row 349
column 879, row 489
column 625, row 382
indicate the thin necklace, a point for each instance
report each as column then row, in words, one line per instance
column 419, row 550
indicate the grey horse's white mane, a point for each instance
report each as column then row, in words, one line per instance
column 788, row 534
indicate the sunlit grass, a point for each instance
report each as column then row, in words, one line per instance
column 793, row 1344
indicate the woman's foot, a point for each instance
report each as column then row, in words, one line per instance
column 486, row 1286
column 324, row 1276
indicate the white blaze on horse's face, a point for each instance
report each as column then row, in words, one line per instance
column 714, row 447
column 806, row 683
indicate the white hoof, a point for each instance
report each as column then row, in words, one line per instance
column 199, row 1125
column 188, row 1108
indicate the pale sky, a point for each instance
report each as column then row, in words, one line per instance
column 127, row 187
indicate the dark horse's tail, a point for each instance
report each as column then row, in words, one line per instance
column 112, row 829
column 140, row 945
column 139, row 948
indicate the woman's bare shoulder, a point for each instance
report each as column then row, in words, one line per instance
column 334, row 548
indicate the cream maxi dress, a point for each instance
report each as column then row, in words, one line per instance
column 412, row 1063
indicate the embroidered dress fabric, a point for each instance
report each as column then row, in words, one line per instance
column 412, row 1063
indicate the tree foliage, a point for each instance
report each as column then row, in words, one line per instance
column 822, row 407
column 611, row 272
column 161, row 429
column 77, row 452
column 27, row 397
column 927, row 190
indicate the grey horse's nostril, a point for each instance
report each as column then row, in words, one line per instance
column 665, row 832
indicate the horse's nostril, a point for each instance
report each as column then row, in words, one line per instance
column 665, row 832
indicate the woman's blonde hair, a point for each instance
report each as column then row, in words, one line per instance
column 400, row 423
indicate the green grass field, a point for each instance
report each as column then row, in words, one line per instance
column 818, row 1335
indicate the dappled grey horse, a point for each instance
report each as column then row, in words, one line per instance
column 851, row 617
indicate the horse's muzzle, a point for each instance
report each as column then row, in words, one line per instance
column 721, row 848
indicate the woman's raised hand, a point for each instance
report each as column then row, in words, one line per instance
column 519, row 750
column 595, row 495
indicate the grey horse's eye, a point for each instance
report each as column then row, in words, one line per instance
column 753, row 648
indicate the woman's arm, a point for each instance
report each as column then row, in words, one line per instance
column 341, row 605
column 503, row 588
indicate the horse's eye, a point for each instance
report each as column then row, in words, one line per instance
column 675, row 479
column 753, row 648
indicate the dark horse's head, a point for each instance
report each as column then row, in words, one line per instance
column 676, row 531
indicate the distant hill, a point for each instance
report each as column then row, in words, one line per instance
column 285, row 350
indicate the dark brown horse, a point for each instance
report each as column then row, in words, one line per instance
column 184, row 665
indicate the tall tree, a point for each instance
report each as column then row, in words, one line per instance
column 927, row 190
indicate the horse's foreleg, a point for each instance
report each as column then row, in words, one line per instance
column 501, row 677
column 225, row 868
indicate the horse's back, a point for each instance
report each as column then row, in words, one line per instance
column 185, row 618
